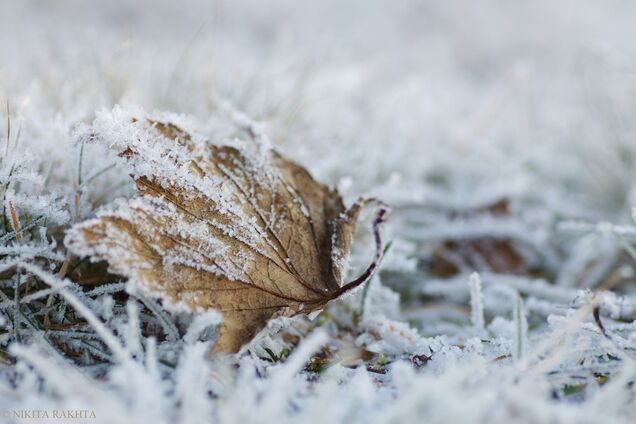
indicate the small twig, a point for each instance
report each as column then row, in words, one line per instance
column 18, row 235
column 5, row 221
column 79, row 167
column 172, row 333
column 61, row 274
column 17, row 315
column 17, row 136
column 78, row 189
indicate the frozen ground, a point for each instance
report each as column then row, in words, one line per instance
column 502, row 134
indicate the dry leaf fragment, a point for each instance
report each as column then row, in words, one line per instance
column 15, row 221
column 492, row 254
column 235, row 227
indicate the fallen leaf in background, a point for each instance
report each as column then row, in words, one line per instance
column 235, row 227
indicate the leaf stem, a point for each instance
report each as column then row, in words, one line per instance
column 379, row 219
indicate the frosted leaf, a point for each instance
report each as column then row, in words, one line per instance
column 232, row 226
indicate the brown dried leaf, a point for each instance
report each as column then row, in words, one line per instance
column 498, row 255
column 235, row 227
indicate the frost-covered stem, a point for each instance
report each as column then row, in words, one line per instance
column 107, row 336
column 549, row 352
column 172, row 333
column 16, row 316
column 476, row 302
column 96, row 351
column 37, row 295
column 521, row 330
column 5, row 219
column 61, row 273
column 379, row 219
column 22, row 230
column 132, row 337
column 106, row 289
column 151, row 356
column 37, row 332
column 78, row 190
